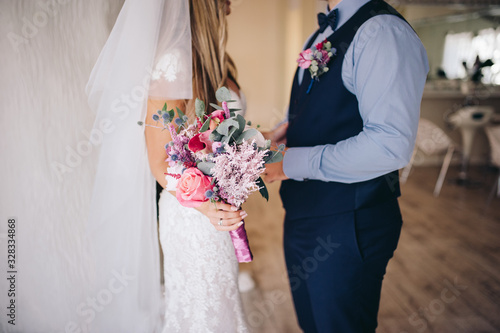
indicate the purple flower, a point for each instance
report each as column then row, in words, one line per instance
column 209, row 194
column 236, row 172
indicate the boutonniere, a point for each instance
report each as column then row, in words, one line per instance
column 316, row 60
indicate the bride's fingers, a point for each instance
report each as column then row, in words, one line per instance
column 228, row 222
column 226, row 207
column 224, row 227
column 230, row 215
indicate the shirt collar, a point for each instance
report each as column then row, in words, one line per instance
column 347, row 8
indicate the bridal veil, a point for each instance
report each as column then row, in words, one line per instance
column 147, row 54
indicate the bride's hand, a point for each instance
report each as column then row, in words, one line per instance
column 231, row 217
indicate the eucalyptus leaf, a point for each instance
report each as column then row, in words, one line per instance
column 232, row 137
column 247, row 135
column 206, row 167
column 215, row 106
column 199, row 106
column 234, row 110
column 223, row 94
column 274, row 157
column 216, row 137
column 262, row 189
column 241, row 121
column 268, row 144
column 223, row 128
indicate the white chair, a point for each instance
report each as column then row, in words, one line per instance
column 431, row 140
column 469, row 120
column 493, row 134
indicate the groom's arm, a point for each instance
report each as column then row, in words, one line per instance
column 389, row 69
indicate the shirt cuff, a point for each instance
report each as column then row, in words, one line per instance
column 296, row 163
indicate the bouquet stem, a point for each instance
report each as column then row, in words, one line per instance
column 241, row 246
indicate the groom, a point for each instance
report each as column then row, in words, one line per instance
column 349, row 132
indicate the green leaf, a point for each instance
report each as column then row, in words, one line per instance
column 223, row 128
column 171, row 114
column 140, row 123
column 223, row 94
column 263, row 189
column 234, row 110
column 180, row 113
column 206, row 167
column 164, row 107
column 215, row 106
column 247, row 135
column 199, row 107
column 268, row 144
column 205, row 126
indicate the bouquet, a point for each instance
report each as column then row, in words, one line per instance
column 217, row 158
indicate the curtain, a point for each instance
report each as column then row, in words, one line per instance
column 48, row 49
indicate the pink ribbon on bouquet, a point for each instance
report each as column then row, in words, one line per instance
column 241, row 246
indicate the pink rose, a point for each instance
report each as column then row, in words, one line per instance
column 192, row 187
column 305, row 58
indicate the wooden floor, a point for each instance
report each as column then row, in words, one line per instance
column 444, row 277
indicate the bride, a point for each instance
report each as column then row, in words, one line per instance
column 201, row 269
column 160, row 51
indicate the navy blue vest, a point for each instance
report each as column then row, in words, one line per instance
column 327, row 115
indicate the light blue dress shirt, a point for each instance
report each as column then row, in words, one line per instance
column 386, row 68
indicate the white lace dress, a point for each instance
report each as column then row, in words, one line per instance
column 201, row 270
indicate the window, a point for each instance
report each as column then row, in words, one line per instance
column 460, row 47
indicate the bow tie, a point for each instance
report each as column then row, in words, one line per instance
column 328, row 20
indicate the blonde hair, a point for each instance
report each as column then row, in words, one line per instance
column 212, row 66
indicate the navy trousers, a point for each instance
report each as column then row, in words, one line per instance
column 336, row 265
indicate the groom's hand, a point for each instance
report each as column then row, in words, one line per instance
column 274, row 172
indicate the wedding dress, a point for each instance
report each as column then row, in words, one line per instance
column 201, row 270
